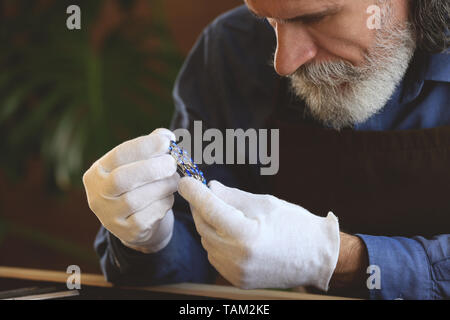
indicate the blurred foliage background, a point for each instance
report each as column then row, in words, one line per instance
column 69, row 96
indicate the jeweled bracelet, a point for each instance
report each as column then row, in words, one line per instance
column 186, row 165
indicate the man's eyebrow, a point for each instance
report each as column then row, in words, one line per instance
column 305, row 17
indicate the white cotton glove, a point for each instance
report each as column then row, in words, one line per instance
column 130, row 190
column 259, row 241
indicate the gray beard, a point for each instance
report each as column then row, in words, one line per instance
column 340, row 95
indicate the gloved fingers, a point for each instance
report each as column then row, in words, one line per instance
column 141, row 197
column 202, row 227
column 213, row 210
column 141, row 224
column 236, row 198
column 219, row 256
column 165, row 132
column 133, row 175
column 218, row 265
column 156, row 237
column 218, row 249
column 208, row 233
column 251, row 205
column 141, row 148
column 214, row 237
column 207, row 245
column 226, row 270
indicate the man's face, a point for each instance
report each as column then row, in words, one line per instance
column 326, row 48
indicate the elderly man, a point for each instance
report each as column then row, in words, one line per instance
column 363, row 114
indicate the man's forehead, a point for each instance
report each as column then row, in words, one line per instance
column 287, row 9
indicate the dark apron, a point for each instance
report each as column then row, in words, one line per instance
column 391, row 183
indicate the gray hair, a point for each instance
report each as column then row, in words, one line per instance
column 430, row 21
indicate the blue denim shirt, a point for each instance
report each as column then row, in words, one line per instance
column 228, row 82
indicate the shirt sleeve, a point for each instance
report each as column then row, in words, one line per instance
column 408, row 268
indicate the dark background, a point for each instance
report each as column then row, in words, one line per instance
column 67, row 97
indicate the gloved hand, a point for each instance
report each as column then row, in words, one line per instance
column 130, row 189
column 259, row 241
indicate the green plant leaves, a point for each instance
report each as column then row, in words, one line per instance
column 71, row 100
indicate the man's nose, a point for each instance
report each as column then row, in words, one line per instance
column 295, row 47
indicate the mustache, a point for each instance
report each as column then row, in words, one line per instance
column 330, row 73
column 377, row 58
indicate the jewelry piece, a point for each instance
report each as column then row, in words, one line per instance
column 186, row 165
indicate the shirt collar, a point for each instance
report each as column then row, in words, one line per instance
column 424, row 67
column 438, row 68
